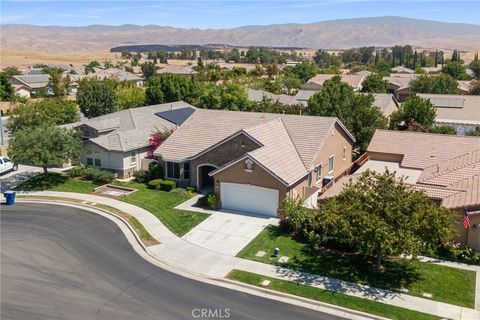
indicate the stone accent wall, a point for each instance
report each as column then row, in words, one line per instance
column 222, row 154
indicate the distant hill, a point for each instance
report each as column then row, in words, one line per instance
column 335, row 34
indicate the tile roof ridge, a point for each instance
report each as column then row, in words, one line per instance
column 428, row 133
column 293, row 143
column 436, row 166
column 132, row 117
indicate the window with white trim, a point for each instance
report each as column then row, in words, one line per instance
column 89, row 161
column 319, row 172
column 133, row 158
column 98, row 162
column 330, row 164
column 309, row 179
column 173, row 170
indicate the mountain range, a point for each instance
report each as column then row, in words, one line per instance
column 334, row 34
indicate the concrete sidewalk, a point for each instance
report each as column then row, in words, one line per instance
column 194, row 259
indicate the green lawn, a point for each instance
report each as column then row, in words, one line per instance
column 56, row 182
column 448, row 285
column 159, row 203
column 330, row 297
column 162, row 204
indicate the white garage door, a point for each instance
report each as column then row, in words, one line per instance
column 248, row 198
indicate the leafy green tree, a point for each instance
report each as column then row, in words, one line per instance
column 44, row 112
column 302, row 71
column 272, row 70
column 374, row 83
column 130, row 97
column 291, row 82
column 381, row 215
column 383, row 68
column 44, row 146
column 416, row 109
column 439, row 84
column 230, row 96
column 58, row 85
column 455, row 69
column 475, row 67
column 274, row 106
column 356, row 111
column 6, row 88
column 148, row 70
column 11, row 71
column 169, row 87
column 96, row 97
column 258, row 71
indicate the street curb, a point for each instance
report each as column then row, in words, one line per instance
column 223, row 282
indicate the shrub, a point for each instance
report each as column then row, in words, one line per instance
column 202, row 201
column 168, row 185
column 76, row 171
column 155, row 171
column 191, row 189
column 141, row 176
column 154, row 184
column 103, row 176
column 212, row 201
column 181, row 192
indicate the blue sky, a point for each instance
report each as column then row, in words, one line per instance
column 226, row 14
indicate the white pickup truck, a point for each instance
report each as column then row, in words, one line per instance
column 6, row 165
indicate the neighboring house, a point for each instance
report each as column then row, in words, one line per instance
column 433, row 70
column 120, row 140
column 399, row 85
column 252, row 161
column 462, row 112
column 118, row 74
column 402, row 70
column 259, row 95
column 316, row 83
column 363, row 73
column 445, row 167
column 228, row 66
column 183, row 70
column 303, row 95
column 29, row 85
column 386, row 102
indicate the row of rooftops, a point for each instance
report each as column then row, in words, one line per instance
column 445, row 167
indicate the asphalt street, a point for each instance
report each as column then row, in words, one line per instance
column 65, row 263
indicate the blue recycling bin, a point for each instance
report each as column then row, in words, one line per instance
column 10, row 197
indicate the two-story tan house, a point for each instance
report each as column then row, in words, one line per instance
column 252, row 161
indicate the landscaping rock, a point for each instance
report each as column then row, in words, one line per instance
column 283, row 259
column 427, row 295
column 265, row 283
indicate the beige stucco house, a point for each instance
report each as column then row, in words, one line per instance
column 119, row 141
column 445, row 167
column 252, row 161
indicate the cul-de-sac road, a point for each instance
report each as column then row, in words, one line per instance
column 60, row 262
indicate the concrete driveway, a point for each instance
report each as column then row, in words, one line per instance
column 10, row 180
column 227, row 233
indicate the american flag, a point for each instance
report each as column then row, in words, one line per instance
column 466, row 219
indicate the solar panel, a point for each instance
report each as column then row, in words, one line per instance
column 176, row 116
